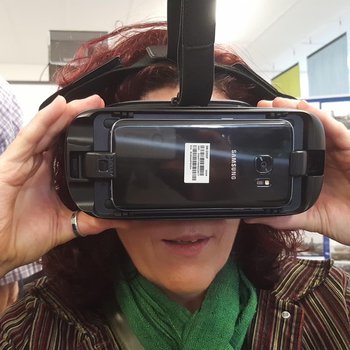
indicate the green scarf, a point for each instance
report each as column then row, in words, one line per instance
column 161, row 324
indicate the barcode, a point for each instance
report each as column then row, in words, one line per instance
column 201, row 160
column 199, row 153
column 196, row 161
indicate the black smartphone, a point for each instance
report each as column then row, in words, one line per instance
column 201, row 163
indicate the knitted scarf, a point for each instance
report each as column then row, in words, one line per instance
column 161, row 324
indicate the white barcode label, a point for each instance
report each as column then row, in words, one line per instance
column 197, row 161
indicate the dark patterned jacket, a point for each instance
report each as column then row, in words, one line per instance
column 308, row 309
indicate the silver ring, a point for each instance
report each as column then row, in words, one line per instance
column 74, row 223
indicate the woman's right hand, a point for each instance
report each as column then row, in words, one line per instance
column 32, row 218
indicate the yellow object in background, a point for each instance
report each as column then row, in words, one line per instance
column 288, row 81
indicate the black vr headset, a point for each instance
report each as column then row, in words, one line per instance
column 189, row 157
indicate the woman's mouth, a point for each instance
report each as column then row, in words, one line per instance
column 186, row 246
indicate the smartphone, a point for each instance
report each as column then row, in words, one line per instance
column 201, row 163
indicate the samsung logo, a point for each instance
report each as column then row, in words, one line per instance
column 233, row 164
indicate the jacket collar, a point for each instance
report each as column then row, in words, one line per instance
column 299, row 277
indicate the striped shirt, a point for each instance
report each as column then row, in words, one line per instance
column 10, row 122
column 308, row 309
column 20, row 273
column 10, row 115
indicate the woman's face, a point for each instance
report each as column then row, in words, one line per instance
column 182, row 257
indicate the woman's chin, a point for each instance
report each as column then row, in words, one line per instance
column 185, row 280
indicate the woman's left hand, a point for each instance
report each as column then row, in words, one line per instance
column 331, row 212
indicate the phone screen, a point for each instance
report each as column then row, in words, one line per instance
column 201, row 163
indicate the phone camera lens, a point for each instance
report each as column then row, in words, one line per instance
column 263, row 164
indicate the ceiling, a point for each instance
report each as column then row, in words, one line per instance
column 270, row 34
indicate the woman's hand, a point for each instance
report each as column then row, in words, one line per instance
column 32, row 218
column 331, row 212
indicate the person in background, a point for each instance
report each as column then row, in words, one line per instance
column 166, row 284
column 10, row 122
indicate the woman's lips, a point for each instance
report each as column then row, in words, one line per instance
column 186, row 246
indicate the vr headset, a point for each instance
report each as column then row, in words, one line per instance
column 189, row 157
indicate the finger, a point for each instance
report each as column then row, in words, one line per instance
column 73, row 109
column 264, row 103
column 37, row 136
column 291, row 222
column 336, row 132
column 281, row 102
column 87, row 225
column 26, row 141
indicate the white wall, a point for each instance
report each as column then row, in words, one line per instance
column 24, row 72
column 298, row 51
column 31, row 95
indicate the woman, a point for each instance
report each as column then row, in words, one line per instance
column 185, row 284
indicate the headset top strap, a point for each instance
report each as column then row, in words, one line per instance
column 191, row 36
